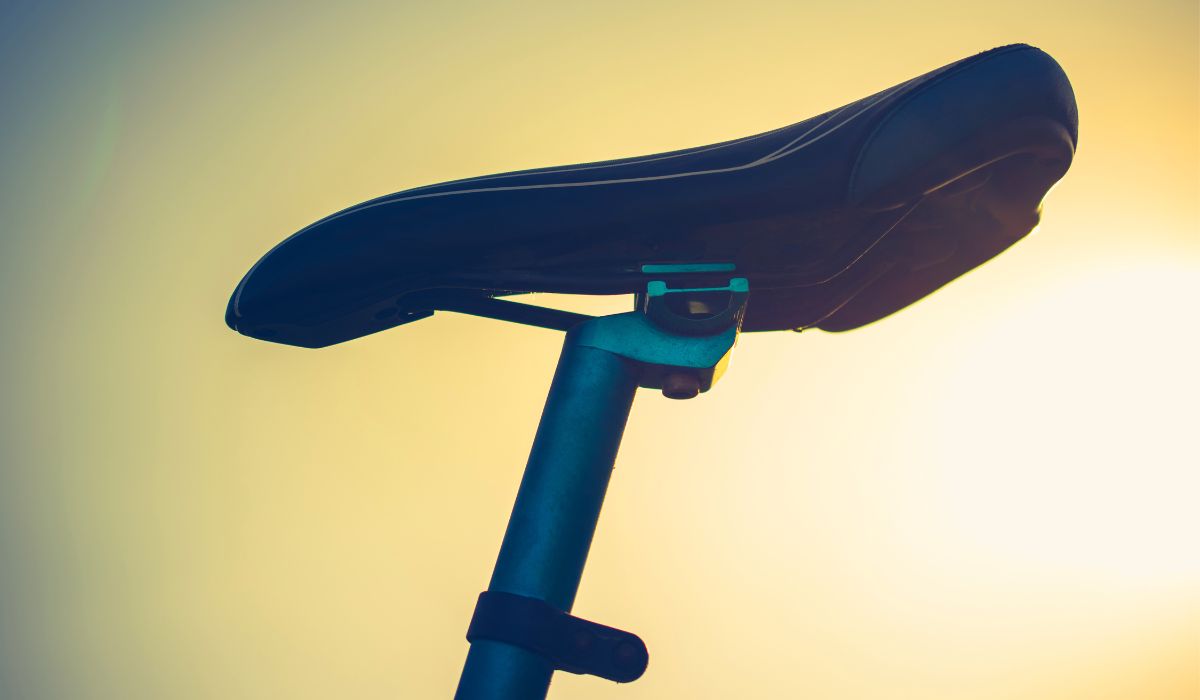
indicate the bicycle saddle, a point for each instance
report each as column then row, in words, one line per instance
column 836, row 221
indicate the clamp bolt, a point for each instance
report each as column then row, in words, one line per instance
column 680, row 385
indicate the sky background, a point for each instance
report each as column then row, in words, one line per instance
column 992, row 494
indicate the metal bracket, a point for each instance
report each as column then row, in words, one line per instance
column 680, row 340
column 697, row 310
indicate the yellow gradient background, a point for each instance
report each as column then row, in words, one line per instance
column 990, row 495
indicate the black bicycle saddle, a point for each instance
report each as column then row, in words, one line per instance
column 836, row 221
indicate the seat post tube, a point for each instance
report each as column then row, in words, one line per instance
column 557, row 506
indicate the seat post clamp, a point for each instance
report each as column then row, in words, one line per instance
column 568, row 643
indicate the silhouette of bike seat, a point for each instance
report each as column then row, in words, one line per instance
column 836, row 221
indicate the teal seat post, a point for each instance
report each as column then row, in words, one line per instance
column 556, row 510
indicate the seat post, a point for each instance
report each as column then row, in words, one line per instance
column 557, row 506
column 522, row 630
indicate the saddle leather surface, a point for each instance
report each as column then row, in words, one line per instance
column 837, row 221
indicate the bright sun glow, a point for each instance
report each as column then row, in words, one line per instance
column 1083, row 426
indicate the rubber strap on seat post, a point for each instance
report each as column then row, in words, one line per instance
column 569, row 643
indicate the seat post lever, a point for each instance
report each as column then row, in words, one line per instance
column 568, row 643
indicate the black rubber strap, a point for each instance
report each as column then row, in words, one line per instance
column 568, row 643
